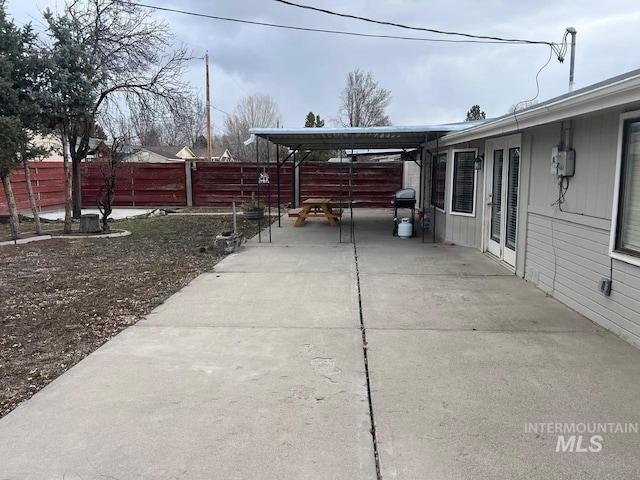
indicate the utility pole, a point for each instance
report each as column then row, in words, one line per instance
column 209, row 149
column 573, row 32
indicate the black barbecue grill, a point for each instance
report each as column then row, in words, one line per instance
column 405, row 198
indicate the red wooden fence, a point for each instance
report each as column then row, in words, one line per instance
column 212, row 184
column 47, row 179
column 219, row 184
column 138, row 184
column 374, row 184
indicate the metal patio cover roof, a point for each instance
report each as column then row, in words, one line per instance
column 399, row 137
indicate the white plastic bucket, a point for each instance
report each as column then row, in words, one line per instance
column 405, row 228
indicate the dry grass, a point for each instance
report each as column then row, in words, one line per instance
column 62, row 299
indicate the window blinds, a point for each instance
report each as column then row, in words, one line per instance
column 464, row 179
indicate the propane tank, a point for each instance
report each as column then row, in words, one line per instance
column 405, row 228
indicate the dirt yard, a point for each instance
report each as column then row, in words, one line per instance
column 62, row 299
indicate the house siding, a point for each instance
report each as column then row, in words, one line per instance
column 464, row 230
column 460, row 229
column 440, row 226
column 567, row 252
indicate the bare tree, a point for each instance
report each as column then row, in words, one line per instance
column 161, row 126
column 258, row 110
column 109, row 168
column 127, row 49
column 363, row 102
column 146, row 127
column 191, row 122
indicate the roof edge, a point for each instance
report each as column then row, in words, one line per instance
column 444, row 127
column 599, row 96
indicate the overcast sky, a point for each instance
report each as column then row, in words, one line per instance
column 430, row 82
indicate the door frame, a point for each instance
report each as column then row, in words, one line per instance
column 510, row 141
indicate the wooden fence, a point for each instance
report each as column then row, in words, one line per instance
column 203, row 184
column 219, row 184
column 47, row 180
column 374, row 184
column 138, row 184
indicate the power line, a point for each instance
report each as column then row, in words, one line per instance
column 423, row 29
column 515, row 108
column 219, row 109
column 334, row 32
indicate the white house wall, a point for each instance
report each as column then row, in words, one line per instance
column 411, row 178
column 566, row 253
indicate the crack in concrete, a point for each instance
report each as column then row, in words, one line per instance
column 365, row 345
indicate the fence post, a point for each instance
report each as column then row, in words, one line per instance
column 188, row 183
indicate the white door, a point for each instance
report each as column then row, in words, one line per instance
column 503, row 169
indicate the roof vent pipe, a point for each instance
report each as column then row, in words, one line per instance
column 573, row 32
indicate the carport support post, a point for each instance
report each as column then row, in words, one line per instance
column 278, row 180
column 269, row 184
column 258, row 187
column 433, row 162
column 351, row 182
column 293, row 181
column 340, row 191
column 422, row 184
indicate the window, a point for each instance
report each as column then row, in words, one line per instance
column 628, row 231
column 463, row 191
column 512, row 198
column 439, row 180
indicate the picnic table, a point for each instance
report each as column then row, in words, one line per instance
column 313, row 208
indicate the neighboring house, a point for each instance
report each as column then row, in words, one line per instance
column 218, row 154
column 373, row 155
column 54, row 145
column 178, row 154
column 500, row 187
column 161, row 154
column 99, row 152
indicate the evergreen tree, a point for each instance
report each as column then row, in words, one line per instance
column 18, row 112
column 65, row 92
column 475, row 113
column 314, row 121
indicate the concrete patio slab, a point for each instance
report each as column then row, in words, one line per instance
column 454, row 302
column 200, row 403
column 256, row 370
column 263, row 300
column 315, row 231
column 116, row 214
column 375, row 228
column 455, row 405
column 336, row 259
column 412, row 257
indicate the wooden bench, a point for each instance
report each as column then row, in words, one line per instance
column 295, row 212
column 321, row 214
